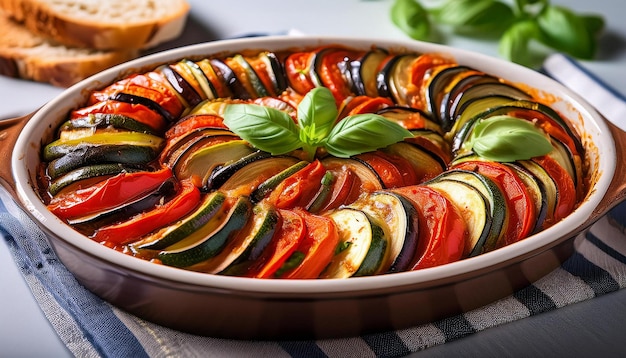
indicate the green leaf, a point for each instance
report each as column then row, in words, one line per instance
column 316, row 115
column 363, row 133
column 565, row 31
column 410, row 17
column 507, row 139
column 593, row 23
column 514, row 43
column 480, row 16
column 265, row 128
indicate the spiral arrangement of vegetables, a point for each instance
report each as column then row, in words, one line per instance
column 325, row 163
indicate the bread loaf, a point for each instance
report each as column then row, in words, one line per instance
column 105, row 24
column 29, row 56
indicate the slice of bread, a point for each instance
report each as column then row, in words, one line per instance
column 26, row 55
column 105, row 24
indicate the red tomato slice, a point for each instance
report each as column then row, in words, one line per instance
column 388, row 172
column 442, row 234
column 107, row 194
column 137, row 112
column 189, row 123
column 298, row 189
column 566, row 198
column 145, row 223
column 330, row 72
column 317, row 246
column 284, row 243
column 523, row 213
column 144, row 85
column 420, row 72
column 344, row 182
column 298, row 71
column 362, row 104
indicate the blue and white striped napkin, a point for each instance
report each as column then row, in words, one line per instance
column 90, row 327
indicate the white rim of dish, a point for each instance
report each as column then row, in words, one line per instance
column 23, row 153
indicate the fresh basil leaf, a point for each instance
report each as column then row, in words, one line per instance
column 363, row 133
column 514, row 43
column 410, row 17
column 266, row 128
column 530, row 8
column 593, row 23
column 507, row 139
column 317, row 113
column 479, row 16
column 565, row 31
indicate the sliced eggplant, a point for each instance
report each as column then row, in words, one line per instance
column 474, row 107
column 537, row 190
column 436, row 90
column 460, row 87
column 362, row 246
column 496, row 204
column 134, row 99
column 367, row 73
column 482, row 90
column 180, row 85
column 425, row 164
column 246, row 180
column 205, row 243
column 399, row 220
column 223, row 172
column 473, row 207
column 370, row 180
column 103, row 120
column 228, row 76
column 192, row 141
column 200, row 164
column 550, row 187
column 206, row 86
column 410, row 118
column 399, row 80
column 87, row 224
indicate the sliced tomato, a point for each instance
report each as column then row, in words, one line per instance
column 137, row 112
column 388, row 172
column 420, row 72
column 315, row 250
column 330, row 71
column 107, row 194
column 523, row 213
column 298, row 189
column 298, row 71
column 191, row 122
column 282, row 246
column 343, row 186
column 134, row 228
column 143, row 85
column 566, row 191
column 442, row 230
column 363, row 104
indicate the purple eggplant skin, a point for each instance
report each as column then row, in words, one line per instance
column 181, row 86
column 405, row 258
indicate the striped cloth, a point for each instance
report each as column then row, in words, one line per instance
column 93, row 328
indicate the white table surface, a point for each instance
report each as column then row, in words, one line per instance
column 595, row 325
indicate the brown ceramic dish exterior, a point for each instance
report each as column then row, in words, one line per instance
column 246, row 308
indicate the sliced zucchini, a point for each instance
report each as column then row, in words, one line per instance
column 496, row 203
column 482, row 90
column 180, row 145
column 248, row 245
column 249, row 177
column 399, row 81
column 362, row 245
column 550, row 187
column 252, row 76
column 210, row 243
column 200, row 164
column 206, row 210
column 87, row 172
column 370, row 180
column 270, row 184
column 203, row 81
column 425, row 164
column 537, row 191
column 223, row 172
column 87, row 155
column 474, row 209
column 476, row 106
column 61, row 147
column 399, row 220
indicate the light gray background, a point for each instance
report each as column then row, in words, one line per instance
column 591, row 328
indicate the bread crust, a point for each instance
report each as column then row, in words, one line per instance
column 28, row 56
column 40, row 18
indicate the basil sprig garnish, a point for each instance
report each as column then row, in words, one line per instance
column 516, row 23
column 274, row 131
column 508, row 139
